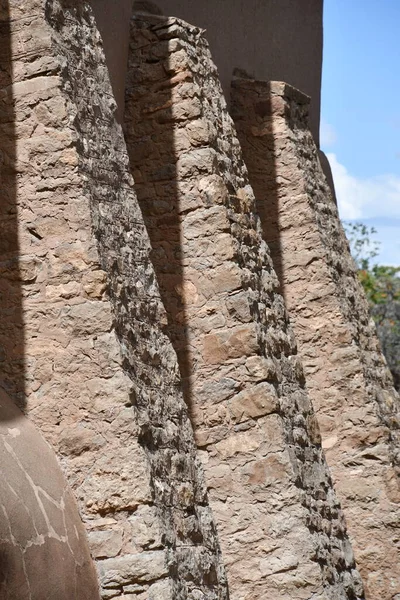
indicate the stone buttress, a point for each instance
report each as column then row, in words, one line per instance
column 281, row 528
column 347, row 377
column 43, row 544
column 84, row 351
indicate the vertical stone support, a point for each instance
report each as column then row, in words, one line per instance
column 93, row 368
column 281, row 528
column 44, row 549
column 347, row 377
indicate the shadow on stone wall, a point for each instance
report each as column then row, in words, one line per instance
column 12, row 271
column 264, row 179
column 150, row 126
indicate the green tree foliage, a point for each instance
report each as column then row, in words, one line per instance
column 381, row 284
column 363, row 248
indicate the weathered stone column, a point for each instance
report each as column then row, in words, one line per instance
column 43, row 545
column 347, row 377
column 281, row 529
column 81, row 328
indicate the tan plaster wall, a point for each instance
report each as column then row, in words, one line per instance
column 269, row 39
column 114, row 29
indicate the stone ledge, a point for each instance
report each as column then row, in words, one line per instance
column 273, row 88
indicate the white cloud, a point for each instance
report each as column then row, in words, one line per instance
column 327, row 135
column 363, row 198
column 389, row 240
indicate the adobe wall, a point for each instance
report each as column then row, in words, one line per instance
column 347, row 377
column 281, row 528
column 268, row 39
column 83, row 347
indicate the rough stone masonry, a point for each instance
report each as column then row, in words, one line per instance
column 142, row 331
column 348, row 380
column 281, row 529
column 96, row 373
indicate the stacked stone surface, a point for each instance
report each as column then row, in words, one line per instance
column 101, row 378
column 43, row 544
column 348, row 380
column 281, row 529
column 148, row 341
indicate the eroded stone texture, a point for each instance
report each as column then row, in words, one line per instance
column 43, row 546
column 95, row 370
column 281, row 528
column 348, row 380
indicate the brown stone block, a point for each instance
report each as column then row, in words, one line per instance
column 245, row 442
column 177, row 62
column 239, row 306
column 94, row 283
column 205, row 222
column 254, row 402
column 124, row 481
column 196, row 162
column 211, row 251
column 213, row 189
column 65, row 291
column 230, row 343
column 90, row 317
column 106, row 543
column 127, row 569
column 78, row 439
column 35, row 88
column 225, row 278
column 209, row 436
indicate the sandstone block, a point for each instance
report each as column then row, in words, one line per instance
column 94, row 284
column 260, row 367
column 230, row 343
column 144, row 567
column 105, row 544
column 88, row 317
column 77, row 439
column 254, row 402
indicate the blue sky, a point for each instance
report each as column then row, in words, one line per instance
column 360, row 116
